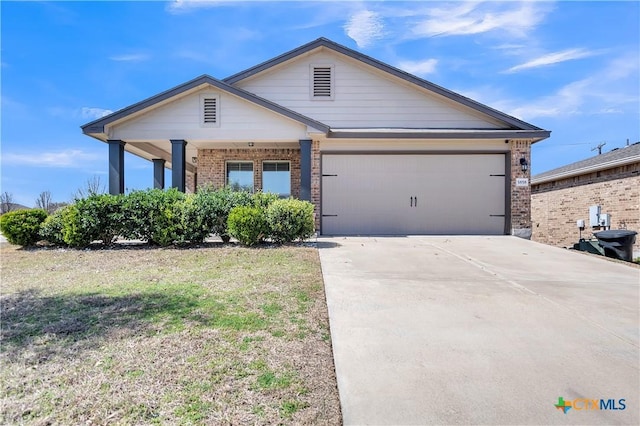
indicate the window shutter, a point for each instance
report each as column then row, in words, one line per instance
column 210, row 110
column 322, row 82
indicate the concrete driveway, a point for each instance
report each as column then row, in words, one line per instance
column 480, row 330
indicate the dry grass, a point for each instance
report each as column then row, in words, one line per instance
column 215, row 335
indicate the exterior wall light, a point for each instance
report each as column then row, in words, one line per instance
column 524, row 165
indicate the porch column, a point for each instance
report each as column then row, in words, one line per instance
column 305, row 169
column 116, row 166
column 158, row 173
column 178, row 164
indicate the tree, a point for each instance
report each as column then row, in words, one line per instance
column 6, row 202
column 93, row 186
column 44, row 202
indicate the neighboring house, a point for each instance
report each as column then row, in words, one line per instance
column 375, row 149
column 562, row 196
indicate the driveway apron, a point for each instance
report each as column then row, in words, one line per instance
column 480, row 330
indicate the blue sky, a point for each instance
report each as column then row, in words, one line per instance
column 568, row 67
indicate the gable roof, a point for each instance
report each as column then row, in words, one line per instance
column 617, row 157
column 516, row 124
column 97, row 126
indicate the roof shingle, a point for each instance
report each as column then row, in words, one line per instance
column 599, row 162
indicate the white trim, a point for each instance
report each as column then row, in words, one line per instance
column 588, row 169
column 210, row 95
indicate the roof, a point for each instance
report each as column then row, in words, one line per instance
column 97, row 126
column 518, row 128
column 617, row 157
column 328, row 44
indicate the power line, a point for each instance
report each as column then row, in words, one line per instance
column 599, row 147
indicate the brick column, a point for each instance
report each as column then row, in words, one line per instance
column 316, row 177
column 520, row 195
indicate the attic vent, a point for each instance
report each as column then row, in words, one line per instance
column 322, row 86
column 210, row 111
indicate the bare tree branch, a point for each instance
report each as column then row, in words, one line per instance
column 93, row 186
column 6, row 202
column 44, row 201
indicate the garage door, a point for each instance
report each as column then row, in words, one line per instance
column 382, row 194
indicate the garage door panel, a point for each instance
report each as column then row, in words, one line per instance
column 376, row 194
column 352, row 200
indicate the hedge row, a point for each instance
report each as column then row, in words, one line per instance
column 164, row 218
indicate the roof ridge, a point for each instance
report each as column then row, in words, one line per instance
column 93, row 126
column 516, row 123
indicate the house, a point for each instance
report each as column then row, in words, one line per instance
column 609, row 183
column 375, row 149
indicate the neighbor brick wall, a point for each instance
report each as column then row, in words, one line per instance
column 557, row 205
column 212, row 165
column 520, row 196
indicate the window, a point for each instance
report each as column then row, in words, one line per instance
column 240, row 175
column 322, row 82
column 276, row 177
column 209, row 110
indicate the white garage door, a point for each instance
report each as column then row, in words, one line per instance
column 413, row 194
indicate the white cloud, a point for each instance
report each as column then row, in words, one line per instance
column 427, row 66
column 66, row 158
column 365, row 27
column 181, row 6
column 131, row 57
column 553, row 58
column 513, row 18
column 604, row 92
column 94, row 113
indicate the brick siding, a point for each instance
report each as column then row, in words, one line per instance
column 212, row 165
column 212, row 171
column 316, row 177
column 520, row 195
column 190, row 183
column 557, row 205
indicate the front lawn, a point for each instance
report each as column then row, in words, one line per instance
column 215, row 335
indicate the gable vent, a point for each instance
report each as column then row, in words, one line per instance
column 322, row 82
column 210, row 110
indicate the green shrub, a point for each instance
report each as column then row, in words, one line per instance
column 21, row 227
column 262, row 200
column 52, row 229
column 154, row 215
column 289, row 220
column 74, row 231
column 219, row 204
column 248, row 225
column 95, row 218
column 100, row 217
column 195, row 224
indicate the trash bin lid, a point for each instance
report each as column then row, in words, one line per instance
column 614, row 233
